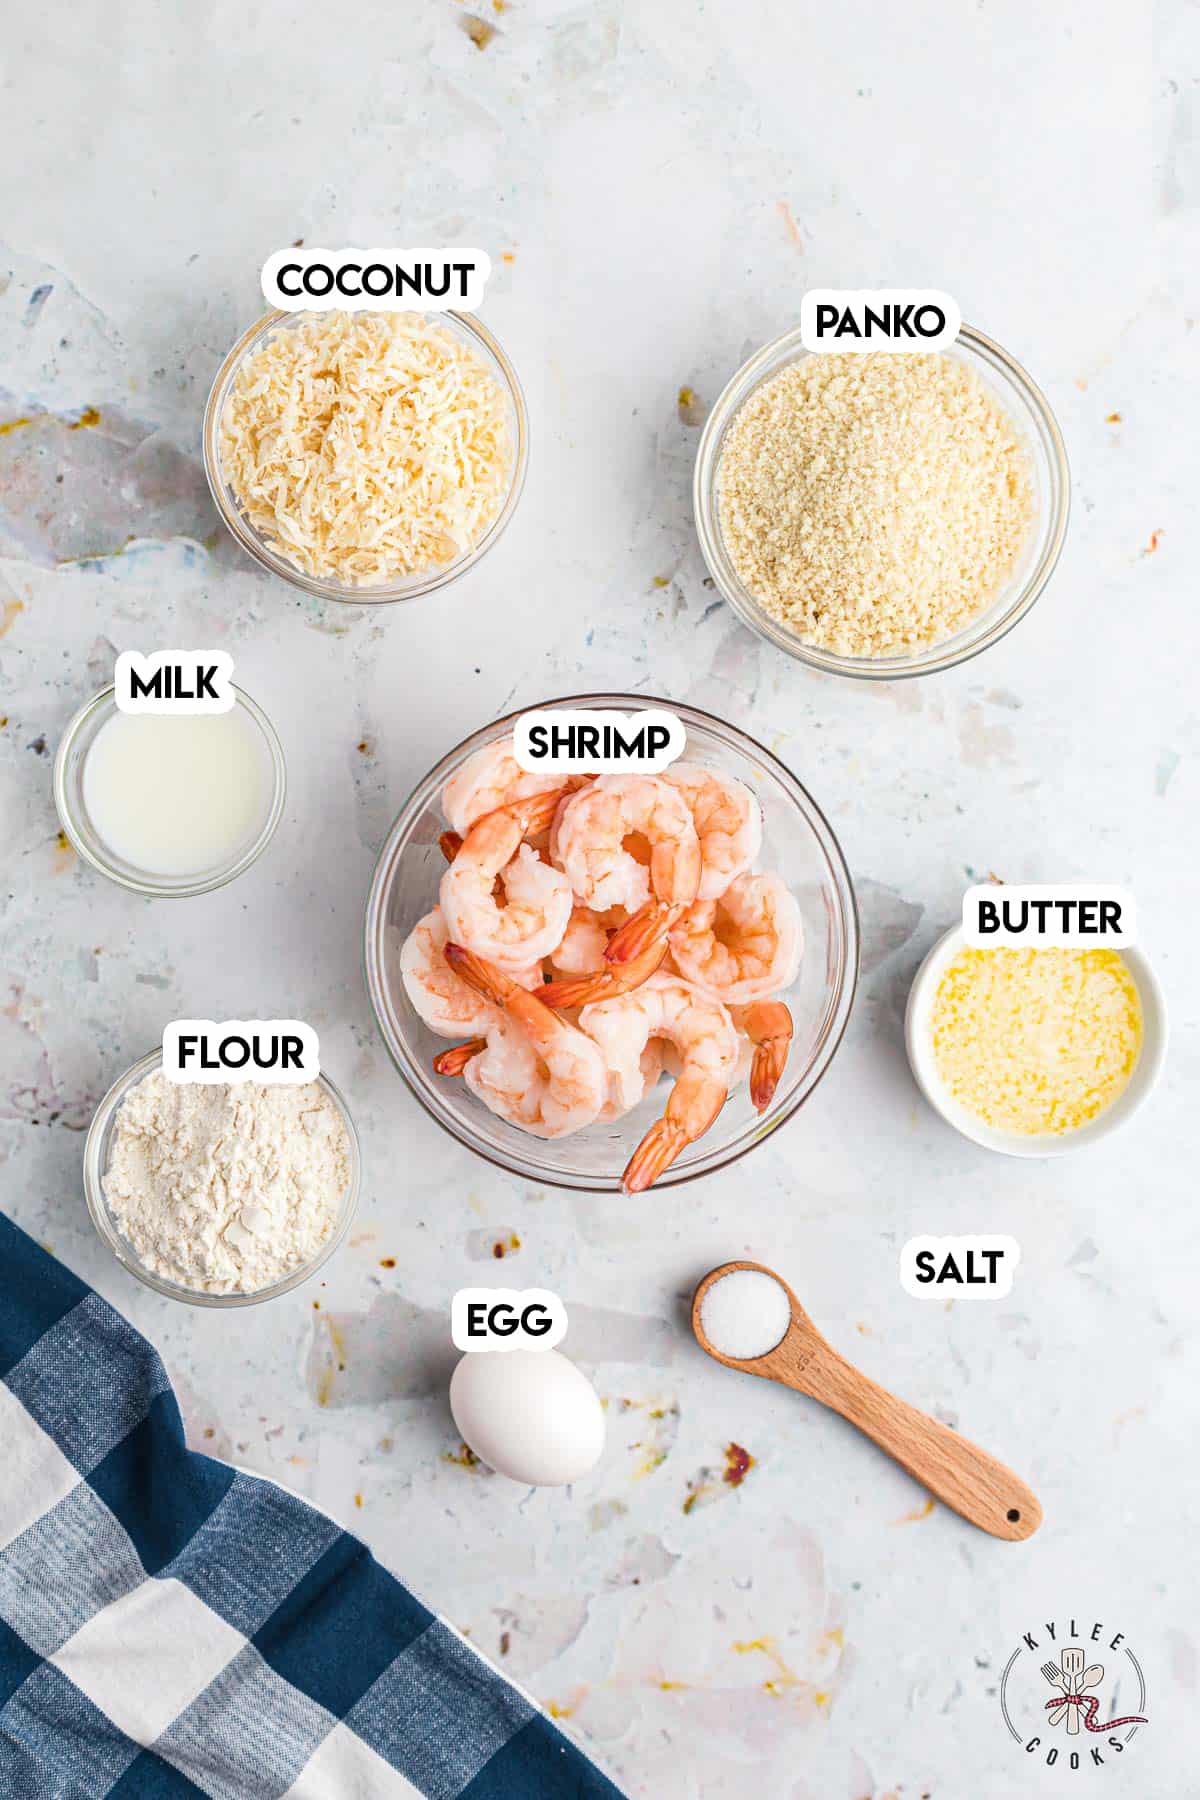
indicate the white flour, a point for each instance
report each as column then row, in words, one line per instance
column 226, row 1188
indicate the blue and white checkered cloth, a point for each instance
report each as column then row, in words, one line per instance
column 170, row 1626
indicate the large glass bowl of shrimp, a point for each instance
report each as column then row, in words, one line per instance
column 613, row 983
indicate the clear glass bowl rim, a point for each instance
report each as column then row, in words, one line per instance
column 844, row 989
column 945, row 655
column 107, row 1231
column 387, row 593
column 182, row 890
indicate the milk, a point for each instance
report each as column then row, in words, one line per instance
column 176, row 794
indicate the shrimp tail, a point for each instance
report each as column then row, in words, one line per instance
column 641, row 931
column 509, row 825
column 577, row 990
column 481, row 975
column 695, row 1101
column 540, row 1023
column 655, row 1154
column 768, row 1025
column 606, row 983
column 766, row 1069
column 455, row 1060
column 536, row 814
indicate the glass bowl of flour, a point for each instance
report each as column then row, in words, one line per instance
column 221, row 1205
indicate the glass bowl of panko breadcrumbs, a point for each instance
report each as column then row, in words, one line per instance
column 886, row 514
column 366, row 457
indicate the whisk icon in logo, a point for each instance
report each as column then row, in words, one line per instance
column 1066, row 1726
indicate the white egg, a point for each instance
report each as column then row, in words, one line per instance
column 529, row 1414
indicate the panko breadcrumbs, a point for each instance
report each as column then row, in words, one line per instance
column 365, row 447
column 874, row 504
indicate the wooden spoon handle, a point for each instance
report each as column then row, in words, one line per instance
column 975, row 1484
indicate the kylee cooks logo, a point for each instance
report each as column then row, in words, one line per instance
column 1060, row 1699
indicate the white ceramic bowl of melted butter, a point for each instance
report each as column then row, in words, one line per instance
column 918, row 1041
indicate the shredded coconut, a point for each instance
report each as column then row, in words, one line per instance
column 365, row 447
column 230, row 1187
column 876, row 503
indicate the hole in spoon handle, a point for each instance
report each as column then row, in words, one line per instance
column 954, row 1470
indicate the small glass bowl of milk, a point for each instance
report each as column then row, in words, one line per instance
column 169, row 804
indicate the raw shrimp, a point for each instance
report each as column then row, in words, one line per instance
column 447, row 1005
column 767, row 1026
column 728, row 821
column 606, row 981
column 593, row 843
column 764, row 1034
column 537, row 898
column 504, row 1075
column 454, row 1061
column 745, row 945
column 701, row 1031
column 542, row 1073
column 581, row 950
column 552, row 835
column 627, row 1087
column 577, row 960
column 672, row 1062
column 492, row 778
column 585, row 940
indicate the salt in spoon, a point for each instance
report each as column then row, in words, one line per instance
column 957, row 1471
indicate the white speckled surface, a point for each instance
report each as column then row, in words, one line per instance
column 666, row 180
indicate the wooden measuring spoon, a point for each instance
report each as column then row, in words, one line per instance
column 958, row 1472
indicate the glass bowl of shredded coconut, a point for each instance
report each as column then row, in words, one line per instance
column 881, row 515
column 366, row 457
column 224, row 1193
